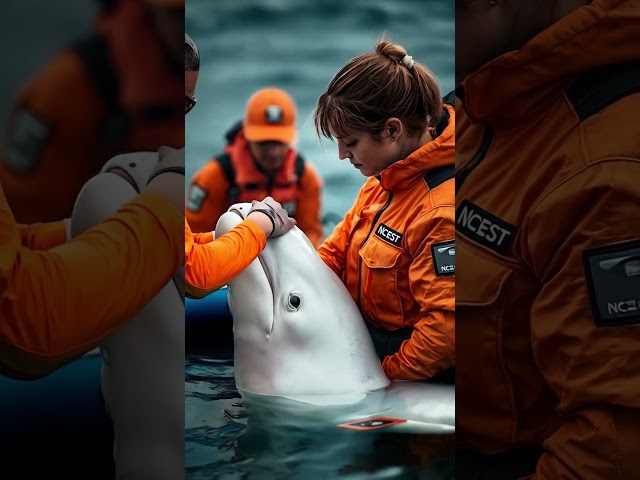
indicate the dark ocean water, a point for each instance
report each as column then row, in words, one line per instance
column 298, row 46
column 223, row 443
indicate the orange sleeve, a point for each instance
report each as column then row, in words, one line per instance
column 309, row 206
column 592, row 365
column 43, row 236
column 431, row 348
column 202, row 238
column 206, row 198
column 58, row 304
column 210, row 266
column 51, row 146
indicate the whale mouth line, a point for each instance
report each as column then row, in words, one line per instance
column 267, row 275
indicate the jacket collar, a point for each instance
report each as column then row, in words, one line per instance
column 517, row 83
column 438, row 152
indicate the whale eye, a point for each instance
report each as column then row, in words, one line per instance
column 294, row 302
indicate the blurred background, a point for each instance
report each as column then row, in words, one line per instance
column 33, row 32
column 298, row 45
column 56, row 424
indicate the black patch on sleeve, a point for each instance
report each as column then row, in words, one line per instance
column 444, row 258
column 613, row 279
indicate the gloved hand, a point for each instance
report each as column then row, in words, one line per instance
column 278, row 215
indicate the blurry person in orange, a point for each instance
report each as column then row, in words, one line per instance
column 115, row 91
column 259, row 160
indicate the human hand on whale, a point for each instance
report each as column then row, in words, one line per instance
column 277, row 216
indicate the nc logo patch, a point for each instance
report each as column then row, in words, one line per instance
column 444, row 258
column 273, row 114
column 613, row 280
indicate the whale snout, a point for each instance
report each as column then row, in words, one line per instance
column 232, row 217
column 241, row 209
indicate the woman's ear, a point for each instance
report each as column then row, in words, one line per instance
column 393, row 128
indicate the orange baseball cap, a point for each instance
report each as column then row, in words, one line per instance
column 270, row 116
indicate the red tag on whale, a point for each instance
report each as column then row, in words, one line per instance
column 372, row 423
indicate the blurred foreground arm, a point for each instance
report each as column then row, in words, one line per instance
column 57, row 304
column 43, row 236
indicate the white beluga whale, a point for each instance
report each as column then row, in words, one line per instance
column 302, row 349
column 142, row 374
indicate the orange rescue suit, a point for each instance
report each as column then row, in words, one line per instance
column 62, row 128
column 544, row 192
column 382, row 251
column 208, row 195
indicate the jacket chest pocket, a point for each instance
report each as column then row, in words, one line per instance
column 487, row 408
column 379, row 294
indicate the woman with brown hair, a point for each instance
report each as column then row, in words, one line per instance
column 394, row 250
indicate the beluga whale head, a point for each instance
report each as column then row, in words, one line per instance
column 297, row 330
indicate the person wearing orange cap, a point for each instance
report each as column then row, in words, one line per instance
column 395, row 248
column 209, row 263
column 115, row 91
column 548, row 237
column 259, row 160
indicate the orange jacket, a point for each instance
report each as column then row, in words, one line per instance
column 58, row 133
column 382, row 251
column 54, row 306
column 208, row 195
column 210, row 264
column 541, row 183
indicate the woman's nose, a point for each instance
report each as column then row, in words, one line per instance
column 343, row 153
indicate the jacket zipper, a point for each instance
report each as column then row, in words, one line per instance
column 477, row 158
column 373, row 225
